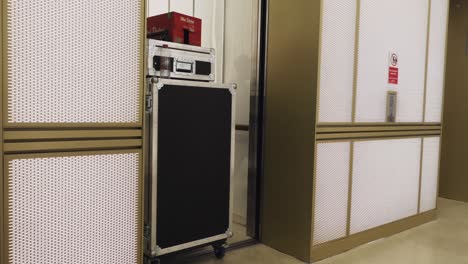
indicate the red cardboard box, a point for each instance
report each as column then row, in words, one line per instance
column 175, row 27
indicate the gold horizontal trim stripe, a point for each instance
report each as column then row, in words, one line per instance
column 70, row 125
column 376, row 128
column 342, row 245
column 365, row 135
column 371, row 124
column 11, row 157
column 70, row 134
column 71, row 145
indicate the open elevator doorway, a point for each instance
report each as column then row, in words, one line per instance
column 232, row 28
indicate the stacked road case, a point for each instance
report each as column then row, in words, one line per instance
column 186, row 62
column 190, row 153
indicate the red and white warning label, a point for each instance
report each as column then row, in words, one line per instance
column 393, row 75
column 393, row 69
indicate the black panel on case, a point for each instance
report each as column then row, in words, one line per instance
column 194, row 152
column 203, row 68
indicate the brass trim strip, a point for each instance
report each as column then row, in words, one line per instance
column 317, row 117
column 442, row 135
column 141, row 198
column 314, row 197
column 427, row 58
column 6, row 221
column 375, row 139
column 356, row 59
column 71, row 134
column 4, row 244
column 70, row 145
column 142, row 112
column 67, row 125
column 421, row 156
column 373, row 135
column 375, row 129
column 319, row 64
column 369, row 124
column 141, row 212
column 329, row 249
column 350, row 187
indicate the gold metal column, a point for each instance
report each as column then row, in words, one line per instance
column 292, row 133
column 454, row 168
column 292, row 67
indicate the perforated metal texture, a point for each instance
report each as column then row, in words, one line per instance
column 436, row 60
column 430, row 174
column 73, row 209
column 337, row 60
column 385, row 182
column 331, row 191
column 391, row 26
column 75, row 61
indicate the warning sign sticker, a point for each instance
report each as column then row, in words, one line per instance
column 393, row 70
column 393, row 75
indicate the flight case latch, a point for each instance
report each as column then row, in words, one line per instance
column 149, row 103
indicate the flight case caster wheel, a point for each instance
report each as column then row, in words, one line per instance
column 219, row 251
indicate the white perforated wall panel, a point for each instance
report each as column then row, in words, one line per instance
column 385, row 182
column 74, row 61
column 74, row 209
column 436, row 60
column 391, row 26
column 430, row 174
column 337, row 60
column 331, row 191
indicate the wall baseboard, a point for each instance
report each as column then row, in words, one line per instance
column 336, row 247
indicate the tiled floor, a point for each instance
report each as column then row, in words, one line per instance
column 444, row 241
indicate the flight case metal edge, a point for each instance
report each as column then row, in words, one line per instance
column 154, row 85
